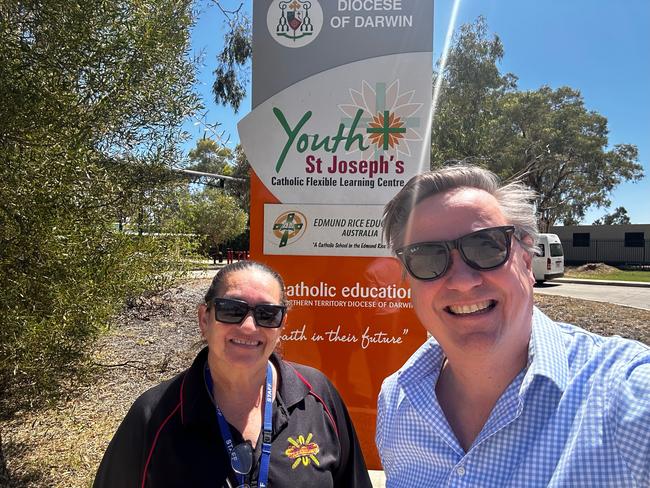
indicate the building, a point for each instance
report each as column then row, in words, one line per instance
column 616, row 245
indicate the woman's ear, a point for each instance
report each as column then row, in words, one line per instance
column 203, row 313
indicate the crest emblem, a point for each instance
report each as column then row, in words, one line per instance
column 294, row 23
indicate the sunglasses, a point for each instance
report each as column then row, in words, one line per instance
column 484, row 249
column 241, row 462
column 230, row 311
column 241, row 458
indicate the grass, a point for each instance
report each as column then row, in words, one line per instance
column 614, row 275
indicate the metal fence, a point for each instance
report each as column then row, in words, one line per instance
column 608, row 251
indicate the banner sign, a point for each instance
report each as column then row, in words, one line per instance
column 340, row 122
column 323, row 230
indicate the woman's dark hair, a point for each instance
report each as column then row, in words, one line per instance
column 219, row 280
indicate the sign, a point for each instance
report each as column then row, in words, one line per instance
column 340, row 122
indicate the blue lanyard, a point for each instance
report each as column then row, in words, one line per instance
column 226, row 436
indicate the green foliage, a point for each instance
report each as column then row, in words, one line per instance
column 214, row 215
column 560, row 149
column 546, row 137
column 469, row 91
column 210, row 157
column 229, row 87
column 241, row 190
column 93, row 94
column 617, row 217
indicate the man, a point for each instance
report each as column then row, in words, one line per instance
column 500, row 395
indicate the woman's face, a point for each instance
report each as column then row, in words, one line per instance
column 242, row 345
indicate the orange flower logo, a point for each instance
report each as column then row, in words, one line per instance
column 386, row 129
column 302, row 450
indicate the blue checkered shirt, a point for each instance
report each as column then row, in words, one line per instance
column 577, row 416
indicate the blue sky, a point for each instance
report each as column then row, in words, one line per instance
column 599, row 47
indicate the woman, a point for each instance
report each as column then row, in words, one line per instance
column 240, row 415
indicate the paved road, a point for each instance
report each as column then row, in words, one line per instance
column 638, row 297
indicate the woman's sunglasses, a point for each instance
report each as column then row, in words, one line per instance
column 483, row 250
column 241, row 462
column 230, row 311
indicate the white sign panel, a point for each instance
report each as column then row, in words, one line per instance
column 323, row 230
column 353, row 134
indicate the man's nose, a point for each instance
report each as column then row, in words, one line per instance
column 460, row 275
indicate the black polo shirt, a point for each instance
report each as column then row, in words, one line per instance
column 170, row 436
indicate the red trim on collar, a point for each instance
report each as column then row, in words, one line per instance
column 318, row 398
column 181, row 399
column 153, row 445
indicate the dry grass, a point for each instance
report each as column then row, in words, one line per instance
column 61, row 446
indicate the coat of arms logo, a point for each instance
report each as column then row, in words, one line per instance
column 294, row 23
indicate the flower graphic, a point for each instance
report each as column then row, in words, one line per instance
column 386, row 130
column 302, row 450
column 388, row 116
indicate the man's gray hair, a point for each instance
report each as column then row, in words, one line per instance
column 515, row 199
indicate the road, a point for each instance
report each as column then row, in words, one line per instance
column 638, row 297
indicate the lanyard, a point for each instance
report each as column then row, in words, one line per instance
column 226, row 435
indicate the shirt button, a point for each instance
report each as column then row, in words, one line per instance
column 460, row 470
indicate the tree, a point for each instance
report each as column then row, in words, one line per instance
column 241, row 190
column 546, row 137
column 214, row 215
column 93, row 95
column 560, row 149
column 470, row 89
column 210, row 157
column 229, row 87
column 617, row 217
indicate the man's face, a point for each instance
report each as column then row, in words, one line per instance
column 468, row 310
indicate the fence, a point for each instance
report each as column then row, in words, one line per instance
column 608, row 251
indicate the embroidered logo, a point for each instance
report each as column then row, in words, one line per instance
column 302, row 450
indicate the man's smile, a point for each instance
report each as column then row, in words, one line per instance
column 472, row 308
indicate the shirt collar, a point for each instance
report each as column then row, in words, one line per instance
column 418, row 377
column 194, row 390
column 291, row 387
column 196, row 404
column 425, row 362
column 547, row 355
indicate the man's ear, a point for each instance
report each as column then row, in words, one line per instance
column 528, row 257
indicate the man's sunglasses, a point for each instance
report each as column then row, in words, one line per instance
column 230, row 311
column 483, row 250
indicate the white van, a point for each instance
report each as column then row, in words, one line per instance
column 549, row 263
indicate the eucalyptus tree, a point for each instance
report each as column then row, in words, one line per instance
column 547, row 137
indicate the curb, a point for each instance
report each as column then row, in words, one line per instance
column 639, row 284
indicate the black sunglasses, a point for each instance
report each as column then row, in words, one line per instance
column 230, row 311
column 483, row 250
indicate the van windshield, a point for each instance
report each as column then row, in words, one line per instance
column 556, row 249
